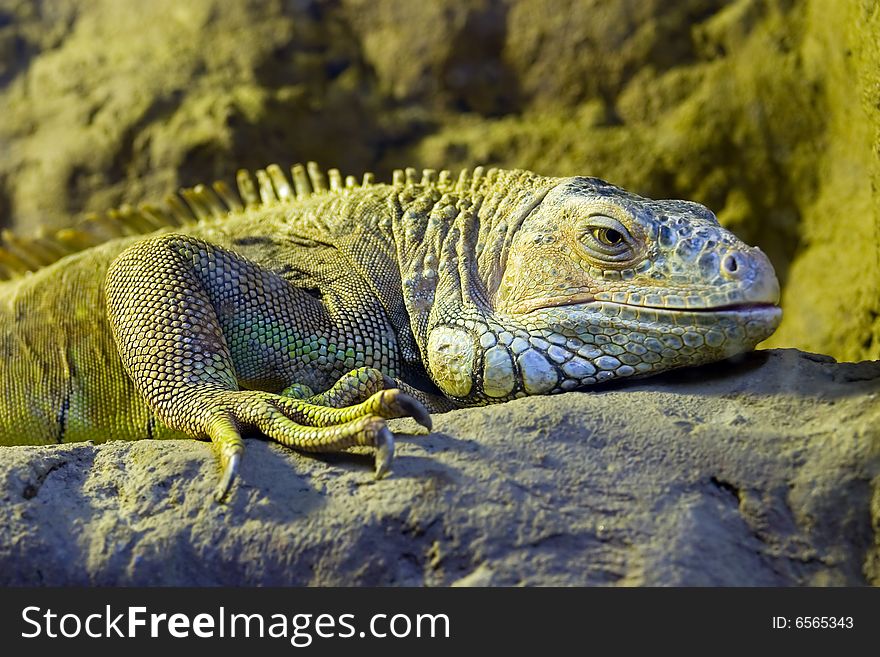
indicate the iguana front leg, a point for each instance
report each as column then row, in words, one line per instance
column 193, row 321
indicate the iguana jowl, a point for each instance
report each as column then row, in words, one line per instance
column 313, row 311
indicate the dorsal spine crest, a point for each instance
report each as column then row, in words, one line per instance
column 262, row 188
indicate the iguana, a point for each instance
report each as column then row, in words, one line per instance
column 312, row 308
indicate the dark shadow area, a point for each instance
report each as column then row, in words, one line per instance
column 475, row 75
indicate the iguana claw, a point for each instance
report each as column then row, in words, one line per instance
column 416, row 410
column 384, row 451
column 230, row 471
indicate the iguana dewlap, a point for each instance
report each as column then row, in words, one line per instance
column 313, row 311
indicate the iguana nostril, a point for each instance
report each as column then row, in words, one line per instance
column 730, row 265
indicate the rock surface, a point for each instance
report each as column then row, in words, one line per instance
column 767, row 111
column 765, row 471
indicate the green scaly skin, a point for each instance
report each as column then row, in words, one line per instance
column 386, row 300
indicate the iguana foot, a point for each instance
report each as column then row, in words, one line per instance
column 352, row 388
column 308, row 427
column 360, row 384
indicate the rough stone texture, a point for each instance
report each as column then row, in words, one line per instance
column 136, row 99
column 761, row 472
column 768, row 111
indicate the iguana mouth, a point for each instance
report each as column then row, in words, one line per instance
column 729, row 308
column 588, row 299
column 734, row 307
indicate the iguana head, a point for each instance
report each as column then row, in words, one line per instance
column 583, row 282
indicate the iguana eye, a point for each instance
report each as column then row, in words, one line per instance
column 607, row 236
column 607, row 239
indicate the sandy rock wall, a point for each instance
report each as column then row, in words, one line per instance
column 765, row 110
